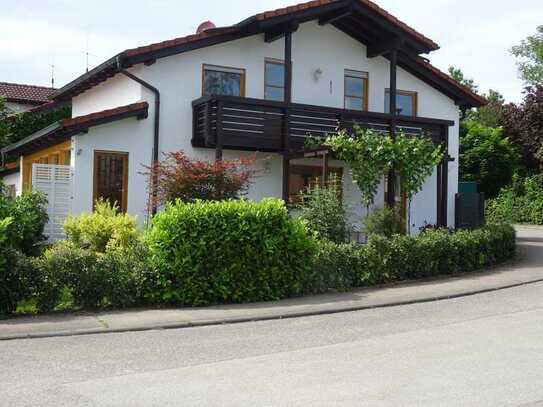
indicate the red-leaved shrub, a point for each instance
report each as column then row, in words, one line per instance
column 178, row 176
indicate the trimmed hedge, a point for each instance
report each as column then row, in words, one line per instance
column 522, row 202
column 228, row 251
column 436, row 252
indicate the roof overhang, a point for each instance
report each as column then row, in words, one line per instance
column 371, row 24
column 61, row 131
column 363, row 20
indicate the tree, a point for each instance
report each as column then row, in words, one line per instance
column 523, row 125
column 488, row 115
column 491, row 114
column 487, row 157
column 18, row 126
column 458, row 76
column 530, row 54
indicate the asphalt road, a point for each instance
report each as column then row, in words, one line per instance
column 483, row 350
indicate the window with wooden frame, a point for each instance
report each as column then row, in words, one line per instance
column 274, row 80
column 12, row 191
column 111, row 178
column 356, row 90
column 222, row 80
column 302, row 176
column 406, row 102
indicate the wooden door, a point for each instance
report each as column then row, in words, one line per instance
column 111, row 178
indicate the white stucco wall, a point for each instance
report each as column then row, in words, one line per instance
column 130, row 136
column 115, row 92
column 178, row 78
column 13, row 179
column 15, row 107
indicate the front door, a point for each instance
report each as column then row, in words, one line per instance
column 111, row 178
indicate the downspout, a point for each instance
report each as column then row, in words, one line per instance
column 156, row 128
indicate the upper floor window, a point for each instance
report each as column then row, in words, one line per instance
column 356, row 90
column 406, row 102
column 220, row 80
column 274, row 80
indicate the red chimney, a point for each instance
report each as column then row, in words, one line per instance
column 206, row 25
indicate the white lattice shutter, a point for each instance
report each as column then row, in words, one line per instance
column 55, row 181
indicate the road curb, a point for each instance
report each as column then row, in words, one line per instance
column 256, row 318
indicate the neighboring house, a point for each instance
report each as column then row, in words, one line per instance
column 21, row 98
column 262, row 85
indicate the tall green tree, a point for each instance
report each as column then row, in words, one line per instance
column 530, row 58
column 486, row 157
column 489, row 115
column 458, row 75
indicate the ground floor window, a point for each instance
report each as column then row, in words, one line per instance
column 12, row 191
column 302, row 176
column 111, row 177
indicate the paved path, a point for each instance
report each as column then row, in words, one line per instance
column 481, row 350
column 529, row 268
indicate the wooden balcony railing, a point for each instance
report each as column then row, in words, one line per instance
column 255, row 124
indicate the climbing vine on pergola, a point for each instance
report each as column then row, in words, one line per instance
column 371, row 155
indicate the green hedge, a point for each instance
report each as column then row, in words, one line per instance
column 437, row 252
column 21, row 232
column 229, row 251
column 522, row 202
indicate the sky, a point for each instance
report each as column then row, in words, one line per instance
column 475, row 35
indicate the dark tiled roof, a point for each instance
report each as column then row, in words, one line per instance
column 213, row 36
column 91, row 119
column 448, row 78
column 62, row 130
column 9, row 168
column 318, row 3
column 16, row 92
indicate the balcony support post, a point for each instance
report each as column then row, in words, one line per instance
column 391, row 183
column 285, row 139
column 218, row 134
column 324, row 168
column 445, row 176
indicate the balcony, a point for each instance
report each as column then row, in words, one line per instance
column 253, row 124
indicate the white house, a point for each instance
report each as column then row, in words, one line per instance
column 262, row 85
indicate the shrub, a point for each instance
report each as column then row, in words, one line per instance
column 335, row 267
column 15, row 271
column 181, row 177
column 522, row 202
column 29, row 217
column 323, row 211
column 103, row 228
column 383, row 222
column 230, row 251
column 435, row 252
column 102, row 263
column 114, row 278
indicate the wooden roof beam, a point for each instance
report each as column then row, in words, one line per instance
column 385, row 47
column 277, row 32
column 335, row 16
